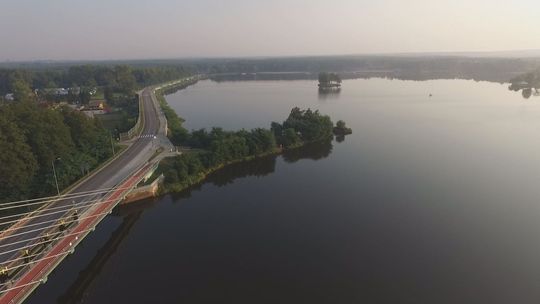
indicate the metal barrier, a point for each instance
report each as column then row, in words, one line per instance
column 135, row 130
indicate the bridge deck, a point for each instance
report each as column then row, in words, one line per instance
column 40, row 270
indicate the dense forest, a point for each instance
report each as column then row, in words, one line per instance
column 32, row 139
column 216, row 148
column 35, row 137
column 122, row 78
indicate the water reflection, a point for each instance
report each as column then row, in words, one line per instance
column 526, row 91
column 263, row 76
column 313, row 151
column 329, row 93
column 340, row 138
column 258, row 168
column 130, row 214
column 261, row 166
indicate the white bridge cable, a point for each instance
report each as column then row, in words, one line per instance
column 48, row 241
column 55, row 197
column 61, row 198
column 44, row 222
column 65, row 209
column 51, row 221
column 65, row 252
column 19, row 286
column 46, row 227
column 50, row 226
column 22, row 216
column 62, row 236
column 38, row 260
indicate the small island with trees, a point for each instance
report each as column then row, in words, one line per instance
column 329, row 81
column 341, row 129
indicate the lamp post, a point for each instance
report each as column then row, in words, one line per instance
column 112, row 145
column 55, row 178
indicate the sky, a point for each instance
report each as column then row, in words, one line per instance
column 144, row 29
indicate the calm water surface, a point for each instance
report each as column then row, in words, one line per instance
column 431, row 200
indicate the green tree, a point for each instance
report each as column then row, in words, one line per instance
column 21, row 90
column 16, row 160
column 290, row 138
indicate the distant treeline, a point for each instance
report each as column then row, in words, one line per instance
column 399, row 67
column 405, row 68
column 117, row 77
column 395, row 66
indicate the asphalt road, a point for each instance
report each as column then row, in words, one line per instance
column 138, row 153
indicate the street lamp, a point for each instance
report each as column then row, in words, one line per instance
column 54, row 172
column 112, row 145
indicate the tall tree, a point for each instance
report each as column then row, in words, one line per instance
column 16, row 160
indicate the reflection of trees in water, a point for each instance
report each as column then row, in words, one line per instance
column 257, row 167
column 130, row 214
column 260, row 166
column 262, row 76
column 526, row 93
column 314, row 151
column 329, row 93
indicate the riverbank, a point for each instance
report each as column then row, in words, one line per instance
column 200, row 177
column 197, row 179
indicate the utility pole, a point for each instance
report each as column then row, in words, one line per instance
column 112, row 145
column 55, row 178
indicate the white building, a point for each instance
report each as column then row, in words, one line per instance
column 9, row 97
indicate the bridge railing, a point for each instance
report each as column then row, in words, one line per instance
column 137, row 127
column 75, row 238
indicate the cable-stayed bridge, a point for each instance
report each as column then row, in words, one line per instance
column 34, row 243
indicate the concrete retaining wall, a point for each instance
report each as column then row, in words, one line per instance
column 144, row 191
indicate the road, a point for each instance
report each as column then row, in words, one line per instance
column 120, row 169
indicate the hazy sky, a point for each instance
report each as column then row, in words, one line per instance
column 127, row 29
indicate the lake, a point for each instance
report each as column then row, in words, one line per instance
column 432, row 199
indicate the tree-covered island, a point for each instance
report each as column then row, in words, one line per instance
column 329, row 81
column 211, row 150
column 341, row 129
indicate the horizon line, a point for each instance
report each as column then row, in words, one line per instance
column 465, row 54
